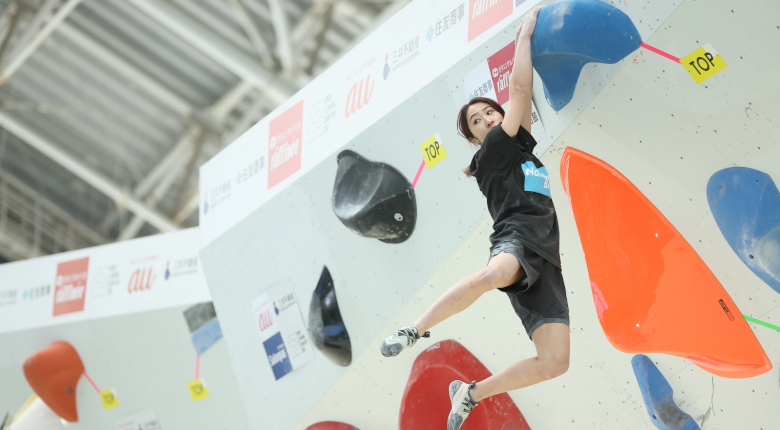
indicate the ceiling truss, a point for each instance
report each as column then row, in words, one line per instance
column 275, row 49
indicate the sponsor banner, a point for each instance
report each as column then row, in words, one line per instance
column 478, row 82
column 402, row 56
column 284, row 144
column 484, row 14
column 143, row 420
column 500, row 65
column 231, row 183
column 128, row 277
column 491, row 79
column 320, row 117
column 70, row 286
column 450, row 20
column 281, row 329
column 538, row 131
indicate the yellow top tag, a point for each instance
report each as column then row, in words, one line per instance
column 198, row 390
column 433, row 151
column 109, row 399
column 703, row 63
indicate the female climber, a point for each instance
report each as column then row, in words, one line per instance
column 524, row 256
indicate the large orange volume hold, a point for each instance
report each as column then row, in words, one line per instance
column 53, row 374
column 652, row 292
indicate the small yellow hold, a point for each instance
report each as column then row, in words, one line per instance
column 433, row 151
column 703, row 63
column 198, row 390
column 109, row 399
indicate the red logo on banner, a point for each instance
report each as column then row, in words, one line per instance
column 141, row 280
column 500, row 65
column 70, row 286
column 484, row 14
column 359, row 95
column 265, row 320
column 284, row 144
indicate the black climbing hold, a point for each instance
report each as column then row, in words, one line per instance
column 326, row 326
column 373, row 199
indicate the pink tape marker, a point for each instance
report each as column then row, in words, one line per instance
column 197, row 368
column 92, row 382
column 659, row 52
column 419, row 172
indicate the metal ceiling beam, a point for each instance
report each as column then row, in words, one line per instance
column 126, row 69
column 65, row 138
column 24, row 52
column 311, row 31
column 10, row 18
column 357, row 12
column 228, row 102
column 169, row 165
column 101, row 183
column 250, row 116
column 39, row 217
column 34, row 23
column 218, row 49
column 319, row 39
column 380, row 19
column 261, row 45
column 160, row 179
column 164, row 184
column 281, row 29
column 309, row 23
column 193, row 203
column 189, row 174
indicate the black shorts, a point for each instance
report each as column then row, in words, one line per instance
column 540, row 297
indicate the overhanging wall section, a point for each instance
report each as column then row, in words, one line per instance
column 253, row 221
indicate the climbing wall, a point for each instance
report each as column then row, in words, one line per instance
column 280, row 222
column 145, row 359
column 133, row 312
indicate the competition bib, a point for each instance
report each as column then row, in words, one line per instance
column 536, row 178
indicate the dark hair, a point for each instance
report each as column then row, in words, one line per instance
column 463, row 121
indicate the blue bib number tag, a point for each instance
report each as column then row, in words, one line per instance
column 536, row 178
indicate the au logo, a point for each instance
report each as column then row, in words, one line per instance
column 140, row 280
column 265, row 320
column 359, row 95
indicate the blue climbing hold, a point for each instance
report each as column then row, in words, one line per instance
column 658, row 396
column 746, row 205
column 572, row 33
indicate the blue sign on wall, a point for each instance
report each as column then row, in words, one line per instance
column 277, row 355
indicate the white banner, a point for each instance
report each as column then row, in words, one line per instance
column 384, row 70
column 281, row 328
column 143, row 420
column 133, row 276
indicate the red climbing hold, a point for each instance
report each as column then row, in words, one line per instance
column 53, row 374
column 426, row 402
column 652, row 292
column 331, row 425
